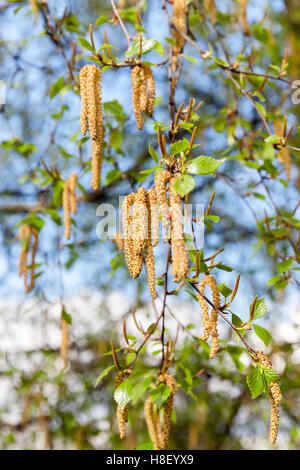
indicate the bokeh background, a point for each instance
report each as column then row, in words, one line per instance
column 42, row 406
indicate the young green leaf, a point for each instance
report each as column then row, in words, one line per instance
column 255, row 382
column 123, row 393
column 103, row 374
column 204, row 165
column 263, row 334
column 184, row 184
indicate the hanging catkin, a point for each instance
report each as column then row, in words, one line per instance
column 243, row 15
column 180, row 260
column 73, row 200
column 151, row 421
column 143, row 93
column 154, row 218
column 210, row 324
column 140, row 230
column 275, row 397
column 210, row 7
column 168, row 407
column 69, row 202
column 64, row 346
column 128, row 231
column 92, row 116
column 179, row 21
column 28, row 236
column 122, row 413
column 160, row 182
column 135, row 87
column 150, row 91
column 149, row 257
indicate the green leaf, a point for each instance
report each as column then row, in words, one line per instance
column 263, row 334
column 86, row 44
column 271, row 375
column 255, row 382
column 204, row 165
column 147, row 46
column 101, row 19
column 261, row 108
column 56, row 87
column 179, row 146
column 284, row 266
column 148, row 171
column 160, row 395
column 153, row 153
column 66, row 317
column 123, row 393
column 273, row 139
column 112, row 175
column 184, row 184
column 225, row 291
column 115, row 109
column 260, row 309
column 139, row 390
column 190, row 59
column 103, row 374
column 146, row 446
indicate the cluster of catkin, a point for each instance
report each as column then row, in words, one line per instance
column 92, row 116
column 159, row 430
column 143, row 93
column 29, row 238
column 179, row 21
column 171, row 215
column 69, row 202
column 122, row 413
column 210, row 322
column 275, row 397
column 141, row 233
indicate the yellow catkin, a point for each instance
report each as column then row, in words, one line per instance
column 69, row 202
column 67, row 209
column 210, row 7
column 275, row 397
column 122, row 413
column 73, row 200
column 274, row 421
column 243, row 15
column 29, row 238
column 151, row 421
column 180, row 260
column 150, row 91
column 154, row 217
column 143, row 89
column 210, row 324
column 140, row 230
column 127, row 231
column 135, row 86
column 92, row 115
column 160, row 182
column 283, row 154
column 179, row 21
column 149, row 257
column 64, row 346
column 168, row 407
